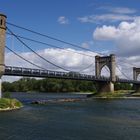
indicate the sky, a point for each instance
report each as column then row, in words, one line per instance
column 102, row 26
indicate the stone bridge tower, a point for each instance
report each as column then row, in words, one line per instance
column 2, row 46
column 100, row 62
column 136, row 72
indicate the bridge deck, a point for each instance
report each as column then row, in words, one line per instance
column 28, row 72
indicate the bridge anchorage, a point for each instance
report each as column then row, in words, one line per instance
column 100, row 62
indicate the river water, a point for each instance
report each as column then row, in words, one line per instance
column 83, row 120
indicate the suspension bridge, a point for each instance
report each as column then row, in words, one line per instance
column 105, row 84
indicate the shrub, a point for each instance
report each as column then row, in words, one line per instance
column 6, row 95
column 9, row 103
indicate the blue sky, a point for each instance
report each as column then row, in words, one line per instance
column 105, row 26
column 42, row 16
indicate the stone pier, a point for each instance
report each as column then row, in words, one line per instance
column 136, row 87
column 105, row 87
column 2, row 47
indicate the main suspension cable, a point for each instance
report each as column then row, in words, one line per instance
column 24, row 58
column 52, row 38
column 47, row 44
column 35, row 52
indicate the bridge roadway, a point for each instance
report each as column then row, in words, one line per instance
column 28, row 72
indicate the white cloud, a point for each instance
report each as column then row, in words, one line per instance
column 110, row 14
column 63, row 20
column 106, row 17
column 68, row 58
column 123, row 10
column 119, row 10
column 105, row 33
column 126, row 36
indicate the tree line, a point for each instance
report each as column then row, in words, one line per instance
column 48, row 85
column 55, row 85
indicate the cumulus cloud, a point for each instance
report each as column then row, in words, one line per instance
column 126, row 36
column 105, row 33
column 63, row 20
column 68, row 58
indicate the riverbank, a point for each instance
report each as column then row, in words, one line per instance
column 7, row 104
column 120, row 94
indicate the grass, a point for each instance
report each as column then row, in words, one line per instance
column 110, row 95
column 115, row 94
column 136, row 94
column 7, row 103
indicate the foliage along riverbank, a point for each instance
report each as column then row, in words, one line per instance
column 7, row 104
column 48, row 85
column 55, row 85
column 115, row 94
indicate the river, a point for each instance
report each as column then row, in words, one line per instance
column 95, row 119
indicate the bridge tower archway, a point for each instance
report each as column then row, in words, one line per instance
column 105, row 71
column 101, row 62
column 136, row 73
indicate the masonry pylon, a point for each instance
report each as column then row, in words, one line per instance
column 2, row 46
column 100, row 62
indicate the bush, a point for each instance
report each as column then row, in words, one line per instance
column 9, row 103
column 6, row 95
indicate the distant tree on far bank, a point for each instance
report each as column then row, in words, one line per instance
column 55, row 85
column 48, row 85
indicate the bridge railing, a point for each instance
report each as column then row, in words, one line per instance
column 19, row 71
